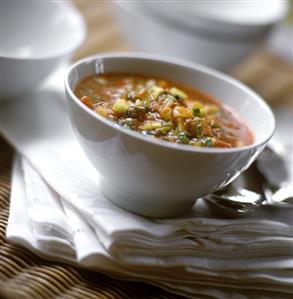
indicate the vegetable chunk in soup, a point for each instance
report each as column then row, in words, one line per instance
column 164, row 109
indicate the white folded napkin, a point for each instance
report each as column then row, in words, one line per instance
column 58, row 211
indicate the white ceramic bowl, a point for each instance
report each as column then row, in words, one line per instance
column 36, row 36
column 218, row 36
column 157, row 178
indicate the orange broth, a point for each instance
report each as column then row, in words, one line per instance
column 164, row 109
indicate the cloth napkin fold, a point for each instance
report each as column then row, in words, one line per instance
column 58, row 211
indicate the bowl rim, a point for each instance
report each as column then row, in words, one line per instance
column 180, row 63
column 71, row 11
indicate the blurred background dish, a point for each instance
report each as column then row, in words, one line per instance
column 35, row 38
column 217, row 34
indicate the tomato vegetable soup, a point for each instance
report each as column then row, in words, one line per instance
column 164, row 109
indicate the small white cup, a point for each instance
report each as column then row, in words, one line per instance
column 36, row 37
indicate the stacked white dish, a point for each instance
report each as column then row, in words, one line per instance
column 215, row 33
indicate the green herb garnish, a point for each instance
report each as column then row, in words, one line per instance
column 183, row 138
column 195, row 111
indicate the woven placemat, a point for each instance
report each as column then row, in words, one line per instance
column 25, row 275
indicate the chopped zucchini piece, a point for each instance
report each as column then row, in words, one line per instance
column 177, row 93
column 164, row 129
column 120, row 106
column 150, row 125
column 155, row 91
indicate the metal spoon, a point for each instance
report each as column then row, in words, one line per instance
column 236, row 201
column 269, row 171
